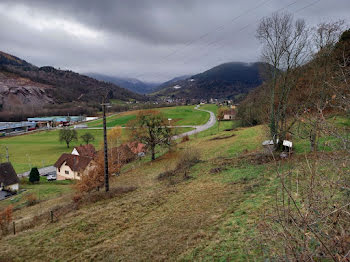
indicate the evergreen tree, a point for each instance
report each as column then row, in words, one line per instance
column 34, row 175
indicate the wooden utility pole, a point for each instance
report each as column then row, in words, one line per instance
column 105, row 146
column 7, row 154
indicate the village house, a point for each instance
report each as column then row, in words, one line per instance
column 127, row 152
column 9, row 181
column 70, row 166
column 83, row 159
column 137, row 148
column 229, row 114
column 84, row 150
column 76, row 164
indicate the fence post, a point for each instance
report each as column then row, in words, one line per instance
column 14, row 227
column 51, row 216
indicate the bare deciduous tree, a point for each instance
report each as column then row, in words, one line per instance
column 151, row 129
column 285, row 48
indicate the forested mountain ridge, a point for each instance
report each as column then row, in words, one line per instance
column 60, row 85
column 132, row 84
column 229, row 80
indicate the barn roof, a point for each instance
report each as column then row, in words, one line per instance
column 136, row 147
column 8, row 175
column 86, row 150
column 76, row 163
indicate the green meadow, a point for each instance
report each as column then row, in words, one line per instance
column 42, row 149
column 180, row 115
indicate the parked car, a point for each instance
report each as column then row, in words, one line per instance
column 51, row 177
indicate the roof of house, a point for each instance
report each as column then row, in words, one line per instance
column 86, row 150
column 137, row 147
column 125, row 153
column 230, row 112
column 8, row 175
column 76, row 163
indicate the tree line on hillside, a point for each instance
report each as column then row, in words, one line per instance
column 309, row 82
column 308, row 72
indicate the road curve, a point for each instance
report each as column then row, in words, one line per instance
column 211, row 122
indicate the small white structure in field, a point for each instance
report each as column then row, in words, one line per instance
column 269, row 145
column 177, row 87
column 268, row 142
column 90, row 118
column 288, row 144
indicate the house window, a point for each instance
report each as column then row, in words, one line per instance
column 66, row 172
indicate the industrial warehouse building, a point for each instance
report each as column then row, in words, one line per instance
column 53, row 121
column 14, row 127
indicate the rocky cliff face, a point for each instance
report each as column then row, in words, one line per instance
column 47, row 84
column 19, row 92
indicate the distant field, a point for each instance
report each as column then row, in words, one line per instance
column 43, row 148
column 180, row 115
column 39, row 149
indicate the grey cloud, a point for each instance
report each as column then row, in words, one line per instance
column 149, row 39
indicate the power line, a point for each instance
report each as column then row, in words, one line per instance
column 243, row 28
column 309, row 5
column 220, row 28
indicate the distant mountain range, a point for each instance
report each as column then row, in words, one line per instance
column 136, row 85
column 229, row 81
column 131, row 84
column 23, row 84
column 171, row 82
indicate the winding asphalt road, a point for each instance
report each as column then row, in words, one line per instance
column 211, row 122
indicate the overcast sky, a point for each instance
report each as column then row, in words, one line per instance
column 153, row 40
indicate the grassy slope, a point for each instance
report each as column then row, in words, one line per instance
column 209, row 217
column 196, row 219
column 181, row 115
column 43, row 191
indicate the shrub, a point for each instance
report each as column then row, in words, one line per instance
column 91, row 181
column 34, row 175
column 5, row 219
column 185, row 138
column 77, row 198
column 185, row 161
column 31, row 200
column 96, row 196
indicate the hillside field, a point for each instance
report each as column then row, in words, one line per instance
column 43, row 148
column 212, row 214
column 180, row 115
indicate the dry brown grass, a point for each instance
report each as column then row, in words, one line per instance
column 156, row 222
